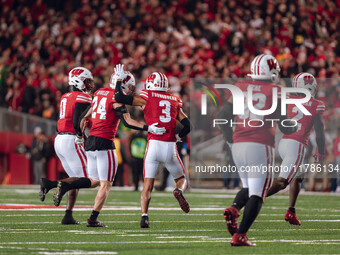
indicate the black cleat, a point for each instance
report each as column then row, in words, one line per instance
column 62, row 188
column 69, row 221
column 183, row 203
column 95, row 224
column 144, row 222
column 45, row 185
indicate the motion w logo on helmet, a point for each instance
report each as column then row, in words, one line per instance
column 308, row 80
column 272, row 65
column 77, row 71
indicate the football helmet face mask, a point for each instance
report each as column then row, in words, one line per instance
column 82, row 79
column 265, row 67
column 157, row 81
column 307, row 81
column 128, row 84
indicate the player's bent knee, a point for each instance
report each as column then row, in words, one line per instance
column 178, row 179
column 105, row 185
column 282, row 182
column 256, row 197
column 299, row 180
column 94, row 183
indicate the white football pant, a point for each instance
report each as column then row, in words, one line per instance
column 252, row 161
column 102, row 165
column 162, row 152
column 71, row 155
column 292, row 153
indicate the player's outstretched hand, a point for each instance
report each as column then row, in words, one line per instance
column 178, row 139
column 119, row 71
column 153, row 129
column 79, row 140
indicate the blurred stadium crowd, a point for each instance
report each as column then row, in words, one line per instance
column 41, row 41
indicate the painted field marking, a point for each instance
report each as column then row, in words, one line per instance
column 209, row 240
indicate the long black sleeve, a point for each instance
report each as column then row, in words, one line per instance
column 120, row 97
column 278, row 114
column 319, row 133
column 120, row 111
column 226, row 113
column 80, row 110
column 187, row 127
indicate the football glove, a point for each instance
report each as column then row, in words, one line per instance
column 79, row 140
column 178, row 139
column 153, row 129
column 318, row 157
column 119, row 71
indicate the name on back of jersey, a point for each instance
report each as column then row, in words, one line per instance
column 168, row 97
column 103, row 92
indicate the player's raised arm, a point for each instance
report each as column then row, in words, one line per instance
column 125, row 117
column 319, row 137
column 288, row 128
column 120, row 97
column 185, row 121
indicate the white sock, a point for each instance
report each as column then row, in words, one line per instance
column 144, row 214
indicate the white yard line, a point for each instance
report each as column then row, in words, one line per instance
column 208, row 240
column 159, row 221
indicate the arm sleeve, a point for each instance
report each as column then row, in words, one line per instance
column 80, row 110
column 144, row 94
column 319, row 133
column 187, row 127
column 288, row 128
column 320, row 108
column 226, row 113
column 120, row 97
column 120, row 111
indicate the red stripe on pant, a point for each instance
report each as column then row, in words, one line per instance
column 295, row 165
column 82, row 151
column 299, row 163
column 265, row 183
column 180, row 161
column 114, row 166
column 81, row 159
column 110, row 167
column 146, row 153
column 270, row 173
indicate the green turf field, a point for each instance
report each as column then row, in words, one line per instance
column 202, row 231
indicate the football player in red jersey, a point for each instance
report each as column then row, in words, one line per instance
column 253, row 146
column 71, row 154
column 292, row 147
column 105, row 114
column 165, row 109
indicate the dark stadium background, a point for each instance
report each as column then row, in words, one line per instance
column 41, row 41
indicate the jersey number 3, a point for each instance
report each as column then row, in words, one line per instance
column 166, row 111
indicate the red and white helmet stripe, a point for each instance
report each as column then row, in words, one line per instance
column 265, row 67
column 307, row 81
column 157, row 81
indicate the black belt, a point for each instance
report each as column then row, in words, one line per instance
column 65, row 133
